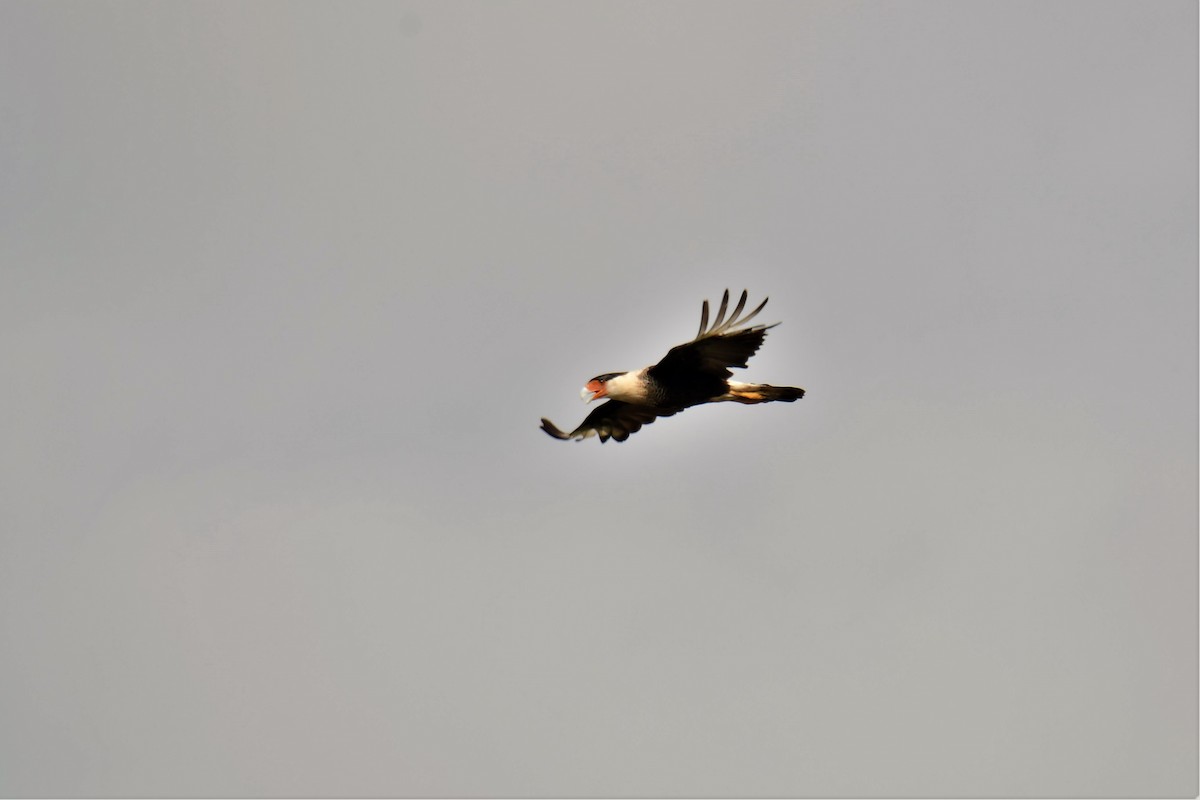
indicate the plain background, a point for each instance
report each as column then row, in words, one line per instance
column 287, row 286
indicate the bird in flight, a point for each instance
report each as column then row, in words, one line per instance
column 689, row 375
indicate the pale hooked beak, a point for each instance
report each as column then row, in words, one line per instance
column 594, row 388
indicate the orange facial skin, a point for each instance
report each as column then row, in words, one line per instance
column 597, row 389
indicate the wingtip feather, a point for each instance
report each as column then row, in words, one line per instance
column 721, row 314
column 552, row 429
column 722, row 325
column 754, row 313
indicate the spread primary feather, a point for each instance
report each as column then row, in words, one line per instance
column 690, row 374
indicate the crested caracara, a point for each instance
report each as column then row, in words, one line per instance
column 689, row 375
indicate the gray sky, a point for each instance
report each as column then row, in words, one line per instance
column 286, row 288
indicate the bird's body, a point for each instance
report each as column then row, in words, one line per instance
column 689, row 375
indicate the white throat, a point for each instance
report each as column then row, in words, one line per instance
column 630, row 387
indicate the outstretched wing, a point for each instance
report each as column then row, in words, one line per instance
column 727, row 343
column 614, row 419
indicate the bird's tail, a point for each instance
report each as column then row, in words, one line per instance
column 751, row 393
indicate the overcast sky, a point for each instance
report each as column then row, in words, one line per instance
column 286, row 287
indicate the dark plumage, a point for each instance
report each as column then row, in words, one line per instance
column 690, row 374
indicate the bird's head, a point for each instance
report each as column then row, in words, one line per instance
column 597, row 387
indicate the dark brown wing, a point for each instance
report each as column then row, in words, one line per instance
column 613, row 419
column 728, row 343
